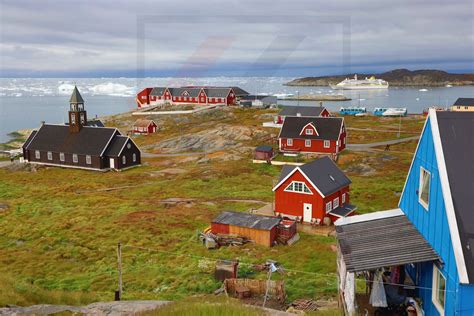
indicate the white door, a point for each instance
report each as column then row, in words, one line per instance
column 307, row 212
column 112, row 163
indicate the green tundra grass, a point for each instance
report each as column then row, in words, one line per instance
column 58, row 237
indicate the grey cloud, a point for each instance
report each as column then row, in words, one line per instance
column 100, row 37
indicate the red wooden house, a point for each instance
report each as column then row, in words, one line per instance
column 189, row 95
column 320, row 135
column 304, row 111
column 143, row 126
column 313, row 191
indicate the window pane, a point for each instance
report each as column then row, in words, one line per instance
column 425, row 186
column 441, row 289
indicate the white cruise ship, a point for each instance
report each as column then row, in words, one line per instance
column 356, row 84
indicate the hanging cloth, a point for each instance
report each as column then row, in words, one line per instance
column 377, row 296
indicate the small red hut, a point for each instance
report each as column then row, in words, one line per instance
column 143, row 126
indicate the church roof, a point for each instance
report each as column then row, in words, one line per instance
column 76, row 96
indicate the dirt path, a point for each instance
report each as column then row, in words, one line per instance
column 377, row 144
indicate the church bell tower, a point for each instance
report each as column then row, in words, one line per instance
column 77, row 114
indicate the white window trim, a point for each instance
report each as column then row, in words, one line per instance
column 134, row 157
column 124, row 160
column 328, row 207
column 289, row 142
column 88, row 160
column 334, row 203
column 62, row 157
column 434, row 291
column 75, row 158
column 37, row 154
column 50, row 155
column 309, row 131
column 307, row 143
column 423, row 203
column 304, row 184
column 343, row 199
column 327, row 144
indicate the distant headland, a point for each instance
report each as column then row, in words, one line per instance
column 396, row 78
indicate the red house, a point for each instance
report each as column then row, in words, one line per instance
column 143, row 126
column 319, row 135
column 313, row 191
column 189, row 95
column 305, row 111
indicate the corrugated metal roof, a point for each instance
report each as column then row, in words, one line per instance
column 382, row 242
column 247, row 220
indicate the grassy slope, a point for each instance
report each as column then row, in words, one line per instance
column 58, row 246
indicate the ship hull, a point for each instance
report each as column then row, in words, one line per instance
column 359, row 87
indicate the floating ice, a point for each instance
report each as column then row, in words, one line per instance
column 112, row 89
column 65, row 88
column 423, row 90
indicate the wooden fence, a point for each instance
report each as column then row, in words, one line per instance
column 258, row 287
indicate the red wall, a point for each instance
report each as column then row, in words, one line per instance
column 291, row 203
column 317, row 146
column 217, row 228
column 324, row 113
column 144, row 96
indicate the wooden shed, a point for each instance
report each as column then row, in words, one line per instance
column 143, row 126
column 264, row 153
column 261, row 229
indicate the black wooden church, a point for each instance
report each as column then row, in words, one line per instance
column 77, row 145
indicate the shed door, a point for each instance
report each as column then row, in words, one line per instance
column 307, row 212
column 112, row 163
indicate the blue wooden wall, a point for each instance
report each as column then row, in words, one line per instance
column 433, row 225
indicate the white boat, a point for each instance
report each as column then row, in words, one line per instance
column 395, row 112
column 356, row 84
column 282, row 96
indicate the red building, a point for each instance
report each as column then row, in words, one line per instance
column 320, row 135
column 143, row 126
column 304, row 111
column 313, row 191
column 189, row 95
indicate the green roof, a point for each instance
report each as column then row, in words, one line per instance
column 76, row 96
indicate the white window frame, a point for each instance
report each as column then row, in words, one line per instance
column 435, row 290
column 309, row 131
column 335, row 203
column 291, row 187
column 83, row 119
column 420, row 187
column 327, row 144
column 307, row 143
column 124, row 160
column 62, row 157
column 134, row 157
column 73, row 118
column 75, row 158
column 328, row 207
column 289, row 142
column 88, row 160
column 37, row 154
column 50, row 155
column 343, row 199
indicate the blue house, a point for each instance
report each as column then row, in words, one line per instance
column 437, row 210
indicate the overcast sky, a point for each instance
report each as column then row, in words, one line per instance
column 102, row 38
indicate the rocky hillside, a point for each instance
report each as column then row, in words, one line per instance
column 397, row 78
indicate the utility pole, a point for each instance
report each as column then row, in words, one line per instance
column 399, row 127
column 119, row 261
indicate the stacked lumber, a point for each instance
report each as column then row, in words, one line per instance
column 211, row 240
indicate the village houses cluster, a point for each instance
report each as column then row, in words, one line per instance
column 423, row 251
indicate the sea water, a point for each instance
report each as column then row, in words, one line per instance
column 25, row 102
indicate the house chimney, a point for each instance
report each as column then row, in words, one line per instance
column 320, row 103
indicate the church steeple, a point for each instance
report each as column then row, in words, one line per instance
column 77, row 113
